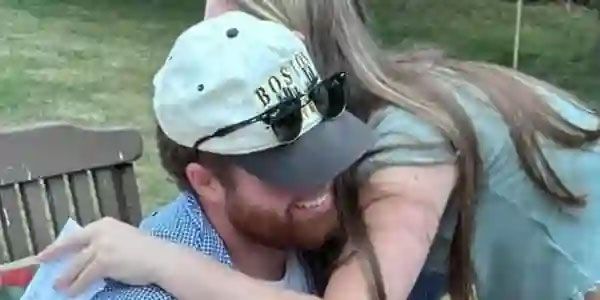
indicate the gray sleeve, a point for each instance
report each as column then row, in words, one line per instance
column 404, row 140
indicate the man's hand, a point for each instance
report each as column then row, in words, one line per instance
column 109, row 249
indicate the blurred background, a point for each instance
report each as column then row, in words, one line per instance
column 90, row 62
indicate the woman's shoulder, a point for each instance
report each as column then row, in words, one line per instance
column 404, row 139
column 392, row 120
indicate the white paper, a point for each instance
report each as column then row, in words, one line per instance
column 41, row 286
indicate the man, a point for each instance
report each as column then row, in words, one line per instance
column 253, row 137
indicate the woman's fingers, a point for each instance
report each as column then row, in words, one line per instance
column 89, row 275
column 79, row 265
column 111, row 249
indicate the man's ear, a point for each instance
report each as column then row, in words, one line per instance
column 205, row 183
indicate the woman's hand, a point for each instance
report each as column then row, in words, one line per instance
column 109, row 249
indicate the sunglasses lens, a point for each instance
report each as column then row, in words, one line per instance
column 328, row 96
column 320, row 97
column 288, row 125
column 337, row 100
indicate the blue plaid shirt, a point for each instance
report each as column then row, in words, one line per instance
column 183, row 222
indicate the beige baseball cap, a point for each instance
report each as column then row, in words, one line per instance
column 235, row 67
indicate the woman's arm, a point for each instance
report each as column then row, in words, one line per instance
column 189, row 276
column 402, row 209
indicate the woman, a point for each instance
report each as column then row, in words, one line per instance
column 481, row 173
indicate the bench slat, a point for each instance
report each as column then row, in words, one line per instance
column 4, row 255
column 12, row 223
column 106, row 181
column 35, row 206
column 82, row 198
column 133, row 210
column 59, row 202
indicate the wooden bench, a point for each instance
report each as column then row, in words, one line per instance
column 51, row 172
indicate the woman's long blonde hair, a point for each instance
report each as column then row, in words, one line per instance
column 337, row 37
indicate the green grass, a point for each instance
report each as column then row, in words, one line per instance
column 91, row 62
column 560, row 47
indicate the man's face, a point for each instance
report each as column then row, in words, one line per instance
column 277, row 217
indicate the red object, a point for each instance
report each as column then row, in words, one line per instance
column 16, row 278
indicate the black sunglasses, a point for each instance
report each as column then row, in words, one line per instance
column 285, row 118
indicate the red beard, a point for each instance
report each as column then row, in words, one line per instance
column 279, row 230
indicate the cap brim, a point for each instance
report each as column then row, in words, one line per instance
column 316, row 158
